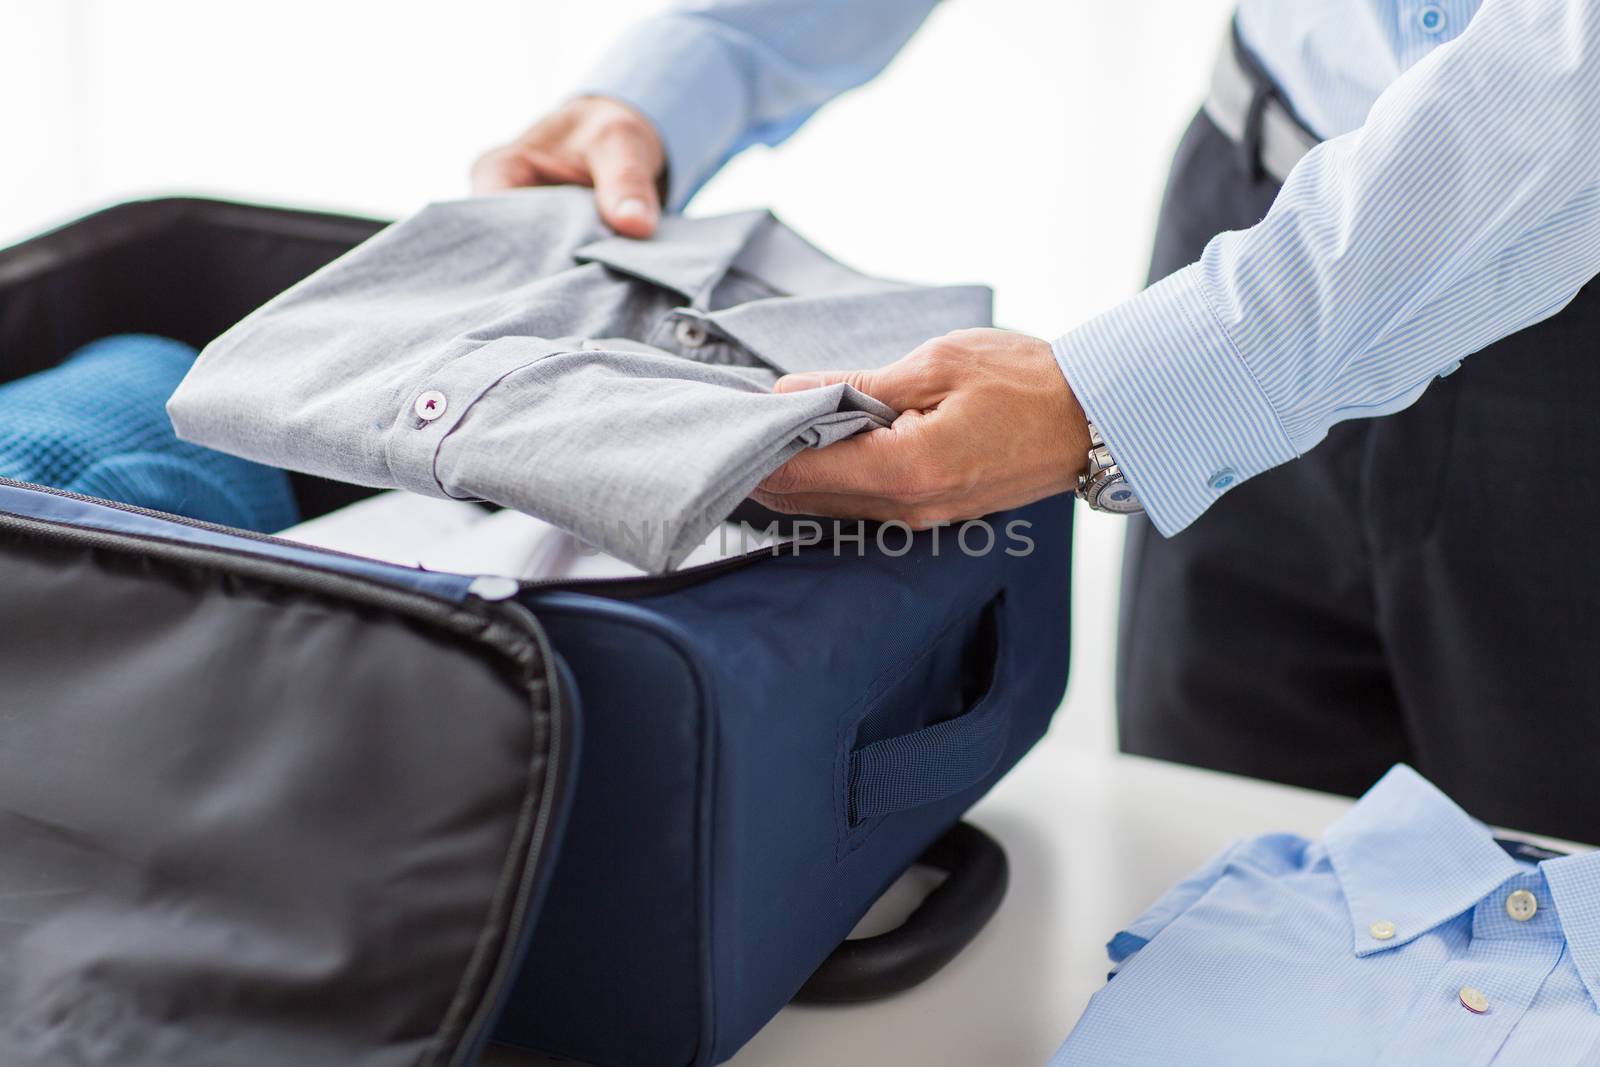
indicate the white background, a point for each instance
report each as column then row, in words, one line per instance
column 1022, row 143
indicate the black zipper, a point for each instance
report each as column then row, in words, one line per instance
column 181, row 520
column 626, row 586
column 478, row 1029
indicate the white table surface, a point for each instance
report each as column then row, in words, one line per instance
column 1092, row 839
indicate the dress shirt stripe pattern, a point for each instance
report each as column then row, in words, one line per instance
column 1332, row 58
column 1464, row 209
column 1456, row 203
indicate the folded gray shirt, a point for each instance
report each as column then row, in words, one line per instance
column 509, row 349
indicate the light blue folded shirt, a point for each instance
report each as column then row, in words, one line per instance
column 1357, row 949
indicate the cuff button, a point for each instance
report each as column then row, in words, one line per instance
column 430, row 405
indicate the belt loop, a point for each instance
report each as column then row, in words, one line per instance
column 1262, row 90
column 1250, row 141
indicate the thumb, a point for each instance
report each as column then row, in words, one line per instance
column 794, row 383
column 625, row 182
column 903, row 385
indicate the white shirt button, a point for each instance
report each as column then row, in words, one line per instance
column 1432, row 18
column 1522, row 905
column 430, row 405
column 690, row 334
column 1474, row 1000
column 1381, row 930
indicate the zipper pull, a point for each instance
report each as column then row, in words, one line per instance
column 494, row 587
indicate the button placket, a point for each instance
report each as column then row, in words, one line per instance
column 1432, row 19
column 1466, row 1007
column 1521, row 908
column 1522, row 905
column 691, row 333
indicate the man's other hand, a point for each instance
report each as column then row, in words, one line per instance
column 594, row 141
column 987, row 423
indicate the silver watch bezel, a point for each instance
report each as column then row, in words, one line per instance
column 1103, row 473
column 1103, row 480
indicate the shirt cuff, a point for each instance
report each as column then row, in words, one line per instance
column 436, row 400
column 1180, row 411
column 677, row 73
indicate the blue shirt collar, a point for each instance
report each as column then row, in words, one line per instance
column 1407, row 855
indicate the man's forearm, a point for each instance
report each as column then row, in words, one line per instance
column 1464, row 209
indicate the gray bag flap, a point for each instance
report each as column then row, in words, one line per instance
column 255, row 814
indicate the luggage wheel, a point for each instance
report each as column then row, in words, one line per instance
column 943, row 924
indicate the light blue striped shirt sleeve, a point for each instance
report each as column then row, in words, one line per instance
column 1466, row 207
column 715, row 78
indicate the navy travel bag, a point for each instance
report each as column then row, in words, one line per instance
column 267, row 804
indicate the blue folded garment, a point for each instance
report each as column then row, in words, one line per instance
column 97, row 425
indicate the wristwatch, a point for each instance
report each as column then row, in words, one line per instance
column 1104, row 486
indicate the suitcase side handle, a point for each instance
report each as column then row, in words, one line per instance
column 942, row 760
column 944, row 923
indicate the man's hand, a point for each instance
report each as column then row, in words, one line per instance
column 593, row 141
column 987, row 423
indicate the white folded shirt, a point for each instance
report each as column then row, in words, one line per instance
column 463, row 538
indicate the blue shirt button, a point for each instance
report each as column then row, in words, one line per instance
column 1223, row 478
column 1432, row 19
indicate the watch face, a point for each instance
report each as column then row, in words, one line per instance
column 1118, row 496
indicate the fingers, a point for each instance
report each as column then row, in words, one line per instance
column 618, row 164
column 591, row 140
column 916, row 382
column 515, row 166
column 887, row 473
column 893, row 473
column 624, row 162
column 847, row 506
column 862, row 465
column 794, row 383
column 502, row 168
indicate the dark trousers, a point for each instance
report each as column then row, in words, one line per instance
column 1423, row 586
